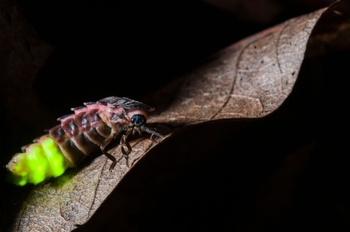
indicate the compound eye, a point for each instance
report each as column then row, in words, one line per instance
column 138, row 119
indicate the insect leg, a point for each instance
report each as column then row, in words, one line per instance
column 109, row 156
column 112, row 158
column 153, row 133
column 124, row 142
column 153, row 138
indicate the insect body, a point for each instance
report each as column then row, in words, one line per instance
column 89, row 130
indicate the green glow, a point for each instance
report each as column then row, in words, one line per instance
column 41, row 160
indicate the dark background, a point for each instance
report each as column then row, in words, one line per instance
column 131, row 48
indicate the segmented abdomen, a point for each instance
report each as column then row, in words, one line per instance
column 69, row 143
column 81, row 134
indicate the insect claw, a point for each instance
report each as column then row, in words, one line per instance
column 113, row 165
column 134, row 161
column 127, row 161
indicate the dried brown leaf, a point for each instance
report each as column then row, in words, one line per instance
column 249, row 79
